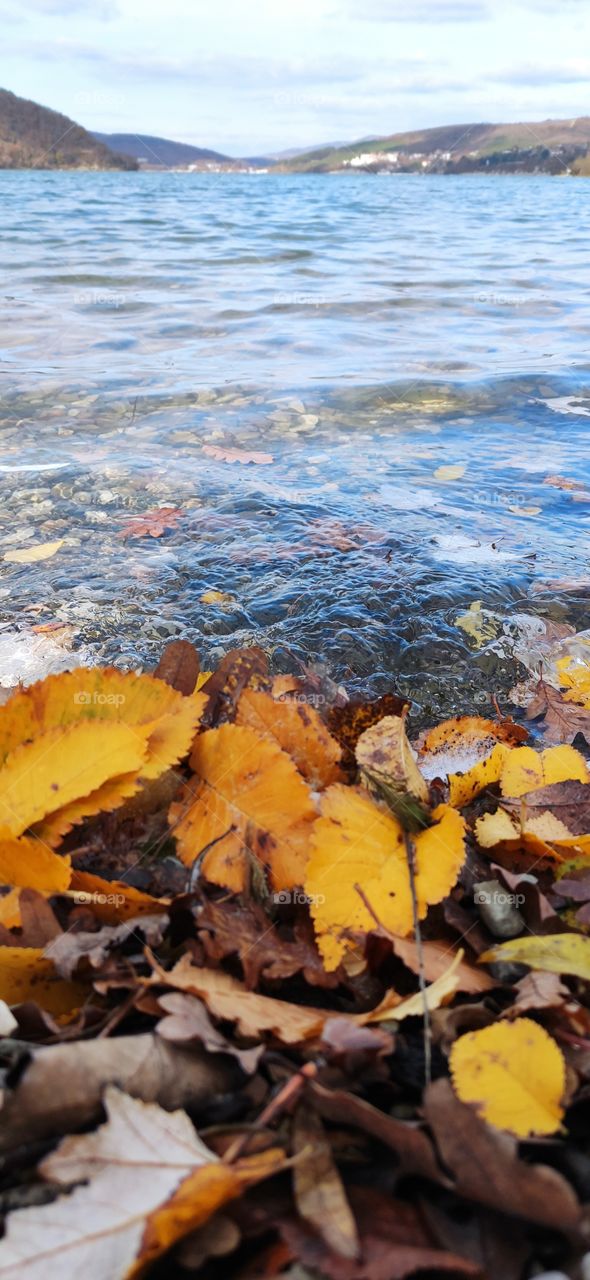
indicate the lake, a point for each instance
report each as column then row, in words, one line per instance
column 413, row 354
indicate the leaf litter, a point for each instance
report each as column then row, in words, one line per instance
column 260, row 1013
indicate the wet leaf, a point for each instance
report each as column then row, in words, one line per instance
column 452, row 472
column 563, row 720
column 387, row 764
column 514, row 1075
column 470, row 751
column 247, row 804
column 479, row 624
column 238, row 669
column 526, row 770
column 298, row 730
column 217, row 597
column 223, row 454
column 152, row 523
column 357, row 842
column 179, row 666
column 30, row 555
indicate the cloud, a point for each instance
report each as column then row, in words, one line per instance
column 535, row 76
column 428, row 11
column 103, row 10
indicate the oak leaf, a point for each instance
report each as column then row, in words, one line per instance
column 514, row 1075
column 247, row 802
column 151, row 523
column 562, row 718
column 358, row 842
column 225, row 454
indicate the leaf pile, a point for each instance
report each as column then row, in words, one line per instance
column 284, row 992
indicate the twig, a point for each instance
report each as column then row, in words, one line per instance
column 284, row 1098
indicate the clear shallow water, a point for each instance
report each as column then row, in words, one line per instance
column 364, row 332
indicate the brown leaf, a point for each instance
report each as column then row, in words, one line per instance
column 179, row 666
column 39, row 924
column 567, row 802
column 187, row 1020
column 71, row 950
column 437, row 956
column 153, row 523
column 347, row 722
column 319, row 1192
column 562, row 482
column 486, row 1167
column 562, row 720
column 395, row 1243
column 239, row 668
column 62, row 1086
column 236, row 455
column 538, row 991
column 242, row 928
column 412, row 1146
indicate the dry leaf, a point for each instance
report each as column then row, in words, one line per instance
column 357, row 842
column 30, row 555
column 247, row 802
column 236, row 455
column 348, row 720
column 554, row 952
column 149, row 1180
column 62, row 1085
column 514, row 1075
column 563, row 720
column 27, row 974
column 113, row 900
column 28, row 863
column 298, row 730
column 486, row 1167
column 239, row 668
column 319, row 1192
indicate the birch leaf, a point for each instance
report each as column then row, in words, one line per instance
column 514, row 1075
column 555, row 953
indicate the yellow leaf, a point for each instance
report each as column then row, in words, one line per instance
column 29, row 555
column 575, row 677
column 26, row 974
column 480, row 624
column 29, row 864
column 104, row 799
column 298, row 730
column 553, row 952
column 525, row 511
column 528, row 770
column 514, row 1074
column 452, row 472
column 216, row 597
column 470, row 751
column 357, row 841
column 113, row 900
column 437, row 993
column 247, row 801
column 10, row 915
column 386, row 760
column 60, row 766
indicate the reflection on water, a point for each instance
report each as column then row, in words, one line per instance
column 399, row 348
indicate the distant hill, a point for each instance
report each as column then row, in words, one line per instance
column 33, row 137
column 160, row 153
column 552, row 146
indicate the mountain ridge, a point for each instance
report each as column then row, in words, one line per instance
column 36, row 137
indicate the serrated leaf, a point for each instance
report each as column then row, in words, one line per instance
column 29, row 864
column 514, row 1075
column 247, row 801
column 526, row 770
column 357, row 841
column 297, row 728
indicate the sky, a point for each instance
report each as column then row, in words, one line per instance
column 254, row 77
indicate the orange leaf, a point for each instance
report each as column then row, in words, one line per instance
column 26, row 974
column 247, row 800
column 298, row 730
